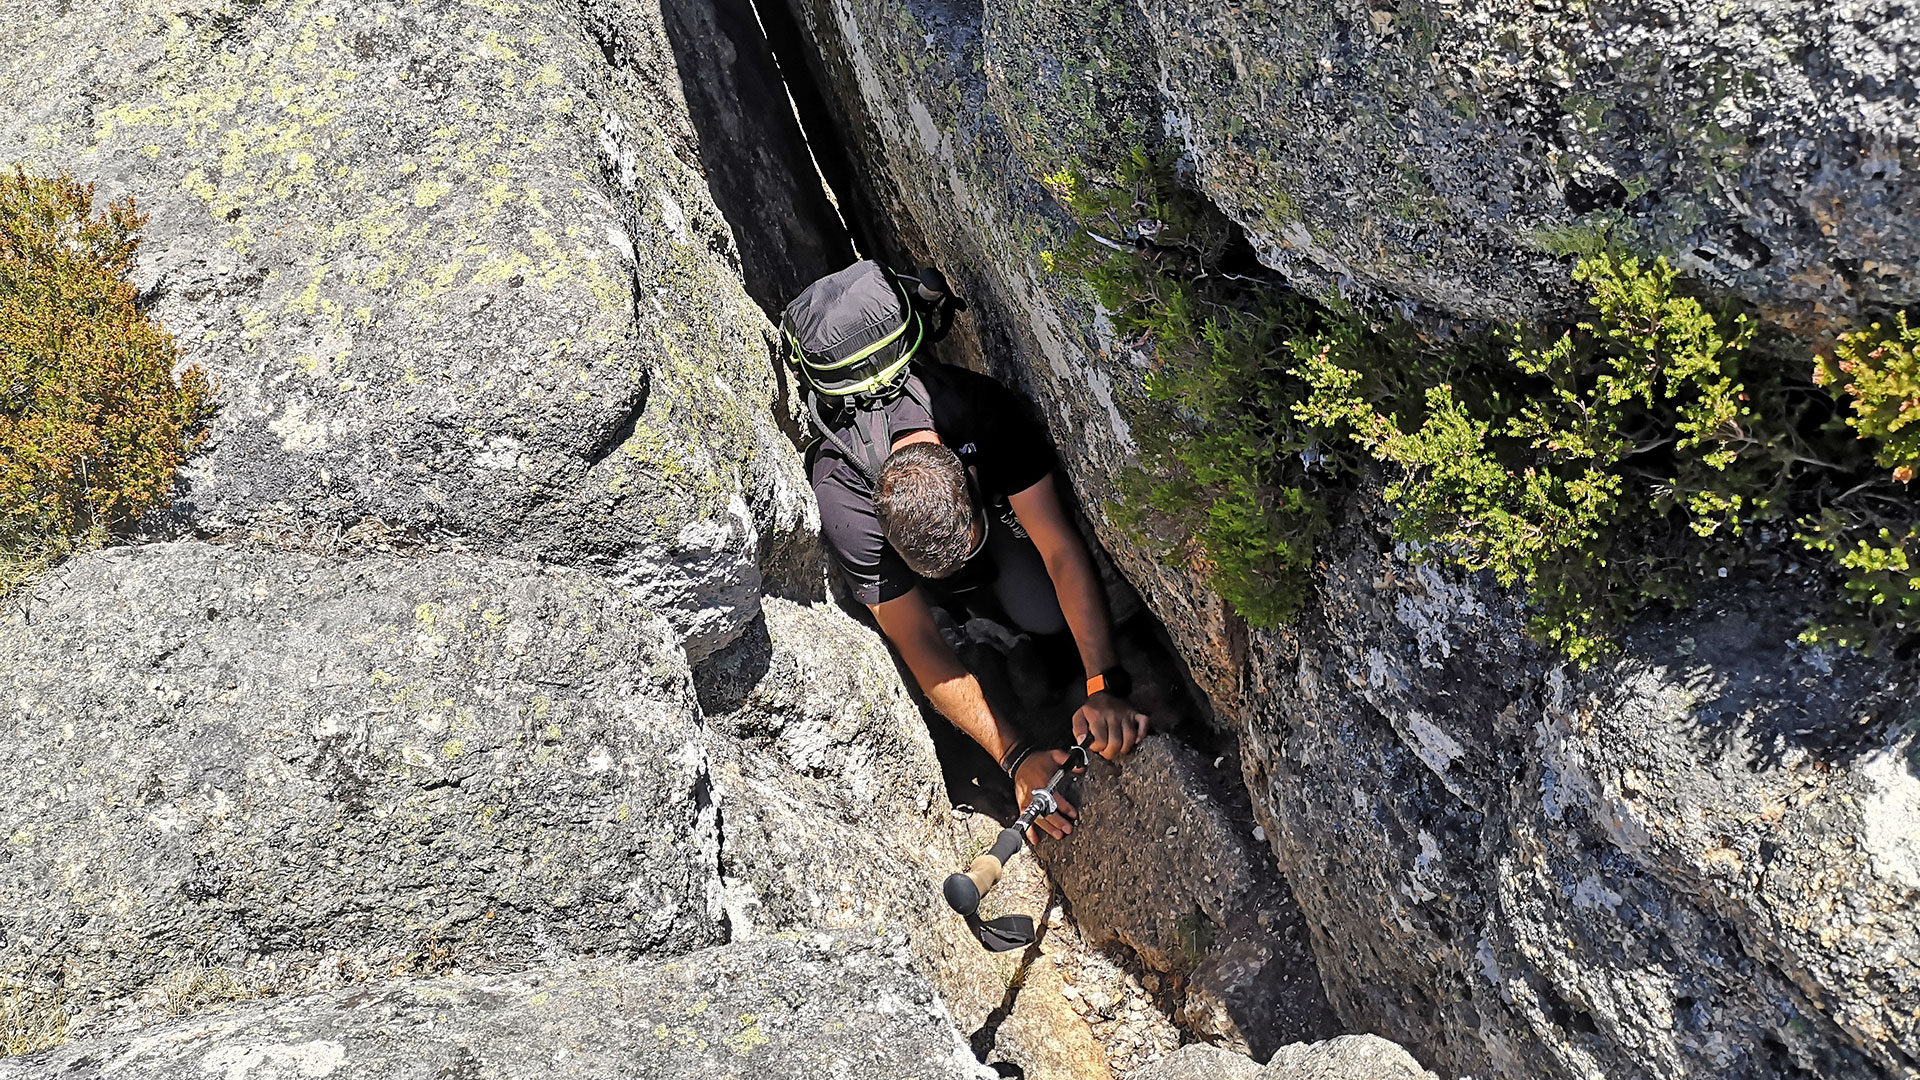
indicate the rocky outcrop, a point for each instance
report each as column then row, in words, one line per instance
column 499, row 636
column 1450, row 155
column 1691, row 861
column 293, row 771
column 1163, row 864
column 1348, row 1057
column 1696, row 857
column 808, row 1005
column 835, row 810
column 456, row 270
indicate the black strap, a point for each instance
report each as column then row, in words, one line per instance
column 870, row 427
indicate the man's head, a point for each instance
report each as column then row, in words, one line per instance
column 926, row 508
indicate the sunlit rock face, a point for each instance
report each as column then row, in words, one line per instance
column 494, row 635
column 1694, row 858
column 454, row 265
column 848, row 1005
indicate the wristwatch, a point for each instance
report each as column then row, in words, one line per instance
column 1114, row 680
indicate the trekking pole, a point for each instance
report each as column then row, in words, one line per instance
column 964, row 891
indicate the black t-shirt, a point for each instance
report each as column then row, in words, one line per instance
column 982, row 422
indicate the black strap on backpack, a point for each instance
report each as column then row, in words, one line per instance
column 852, row 336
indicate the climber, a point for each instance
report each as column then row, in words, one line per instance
column 966, row 511
column 935, row 488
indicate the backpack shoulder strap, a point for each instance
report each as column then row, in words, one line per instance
column 869, row 429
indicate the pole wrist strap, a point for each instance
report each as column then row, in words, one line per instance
column 1011, row 763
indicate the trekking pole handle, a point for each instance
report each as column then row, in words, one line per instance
column 964, row 891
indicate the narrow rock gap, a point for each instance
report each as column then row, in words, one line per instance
column 1147, row 649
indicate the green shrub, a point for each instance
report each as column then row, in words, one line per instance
column 1651, row 446
column 93, row 423
column 1222, row 485
column 1545, row 464
column 1878, row 369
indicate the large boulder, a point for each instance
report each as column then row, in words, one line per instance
column 1164, row 862
column 1447, row 154
column 232, row 771
column 823, row 1005
column 456, row 270
column 1698, row 857
column 835, row 813
column 239, row 771
column 1450, row 805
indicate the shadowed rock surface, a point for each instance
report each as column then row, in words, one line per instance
column 1163, row 865
column 815, row 1005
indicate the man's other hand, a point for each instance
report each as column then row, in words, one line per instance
column 1033, row 775
column 1116, row 726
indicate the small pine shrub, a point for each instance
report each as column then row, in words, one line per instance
column 93, row 423
column 1623, row 461
column 1878, row 369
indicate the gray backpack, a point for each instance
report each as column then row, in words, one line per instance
column 852, row 336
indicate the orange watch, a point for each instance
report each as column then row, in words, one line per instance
column 1114, row 680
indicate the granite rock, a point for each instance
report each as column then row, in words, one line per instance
column 806, row 1005
column 1165, row 864
column 232, row 771
column 1448, row 803
column 456, row 271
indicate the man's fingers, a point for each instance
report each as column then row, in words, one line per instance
column 1054, row 826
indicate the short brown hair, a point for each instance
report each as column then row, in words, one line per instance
column 925, row 509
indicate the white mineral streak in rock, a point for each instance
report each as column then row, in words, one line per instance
column 297, row 433
column 1102, row 387
column 1417, row 889
column 923, row 124
column 1437, row 749
column 502, row 452
column 617, row 239
column 672, row 216
column 1434, row 610
column 1591, row 893
column 1890, row 816
column 318, row 1058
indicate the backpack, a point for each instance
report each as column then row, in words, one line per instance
column 852, row 337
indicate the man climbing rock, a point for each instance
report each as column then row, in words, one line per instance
column 935, row 488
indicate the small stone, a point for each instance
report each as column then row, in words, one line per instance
column 1260, row 834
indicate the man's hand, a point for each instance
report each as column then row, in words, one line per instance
column 1117, row 727
column 1033, row 775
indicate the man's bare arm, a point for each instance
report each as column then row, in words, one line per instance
column 1114, row 723
column 908, row 623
